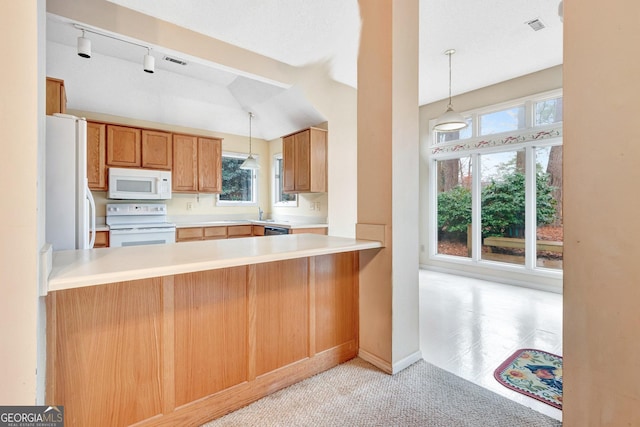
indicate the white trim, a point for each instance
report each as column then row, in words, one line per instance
column 387, row 367
column 274, row 185
column 254, row 180
column 407, row 361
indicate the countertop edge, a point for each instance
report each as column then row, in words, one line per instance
column 91, row 267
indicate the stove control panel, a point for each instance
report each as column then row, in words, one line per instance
column 130, row 209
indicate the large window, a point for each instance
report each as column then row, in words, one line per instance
column 239, row 186
column 497, row 187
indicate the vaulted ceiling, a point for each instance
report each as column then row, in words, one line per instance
column 492, row 38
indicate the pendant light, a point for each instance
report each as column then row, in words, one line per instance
column 250, row 162
column 450, row 121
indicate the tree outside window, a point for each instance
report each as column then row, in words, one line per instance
column 238, row 185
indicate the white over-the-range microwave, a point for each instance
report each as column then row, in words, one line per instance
column 139, row 184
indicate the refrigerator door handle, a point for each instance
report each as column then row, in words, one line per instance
column 92, row 216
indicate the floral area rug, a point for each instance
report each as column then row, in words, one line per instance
column 534, row 373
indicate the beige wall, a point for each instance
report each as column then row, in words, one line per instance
column 601, row 205
column 19, row 219
column 539, row 82
column 388, row 181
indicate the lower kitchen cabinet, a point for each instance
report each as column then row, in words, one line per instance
column 313, row 230
column 239, row 231
column 187, row 348
column 102, row 239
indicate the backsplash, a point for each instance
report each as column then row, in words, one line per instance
column 312, row 208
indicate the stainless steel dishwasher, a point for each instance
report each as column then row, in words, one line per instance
column 272, row 231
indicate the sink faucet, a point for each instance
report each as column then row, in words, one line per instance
column 260, row 212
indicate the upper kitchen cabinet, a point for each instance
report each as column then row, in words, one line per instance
column 123, row 146
column 304, row 156
column 96, row 149
column 56, row 96
column 197, row 164
column 157, row 150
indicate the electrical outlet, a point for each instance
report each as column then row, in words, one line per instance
column 312, row 206
column 317, row 206
column 189, row 206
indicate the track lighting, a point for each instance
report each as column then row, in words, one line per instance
column 149, row 62
column 84, row 46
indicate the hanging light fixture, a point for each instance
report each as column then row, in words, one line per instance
column 149, row 62
column 250, row 162
column 450, row 121
column 84, row 46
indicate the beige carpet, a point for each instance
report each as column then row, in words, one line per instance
column 358, row 394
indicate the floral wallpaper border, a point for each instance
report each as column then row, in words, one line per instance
column 535, row 135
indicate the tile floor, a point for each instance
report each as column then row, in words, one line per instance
column 470, row 326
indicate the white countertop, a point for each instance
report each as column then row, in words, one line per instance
column 79, row 268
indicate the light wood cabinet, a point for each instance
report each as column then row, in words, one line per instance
column 304, row 157
column 96, row 150
column 186, row 348
column 197, row 164
column 211, row 233
column 102, row 239
column 239, row 231
column 56, row 96
column 312, row 230
column 209, row 165
column 202, row 233
column 123, row 146
column 258, row 230
column 157, row 150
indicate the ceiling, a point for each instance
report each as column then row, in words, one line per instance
column 492, row 40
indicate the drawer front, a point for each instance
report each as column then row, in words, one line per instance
column 239, row 231
column 315, row 230
column 102, row 239
column 186, row 234
column 258, row 230
column 215, row 233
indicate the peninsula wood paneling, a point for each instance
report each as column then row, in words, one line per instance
column 107, row 361
column 336, row 300
column 282, row 320
column 210, row 332
column 183, row 349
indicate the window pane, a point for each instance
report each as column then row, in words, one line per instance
column 280, row 196
column 503, row 206
column 503, row 121
column 454, row 207
column 548, row 112
column 237, row 184
column 549, row 207
column 456, row 135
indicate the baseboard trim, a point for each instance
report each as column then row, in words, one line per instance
column 386, row 366
column 375, row 361
column 407, row 361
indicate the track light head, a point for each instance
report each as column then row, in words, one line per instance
column 84, row 46
column 149, row 62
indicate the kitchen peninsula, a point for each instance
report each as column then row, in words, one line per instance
column 179, row 334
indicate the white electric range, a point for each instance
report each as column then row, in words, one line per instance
column 133, row 224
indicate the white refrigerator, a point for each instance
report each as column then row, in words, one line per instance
column 70, row 209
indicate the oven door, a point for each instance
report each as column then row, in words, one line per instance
column 141, row 236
